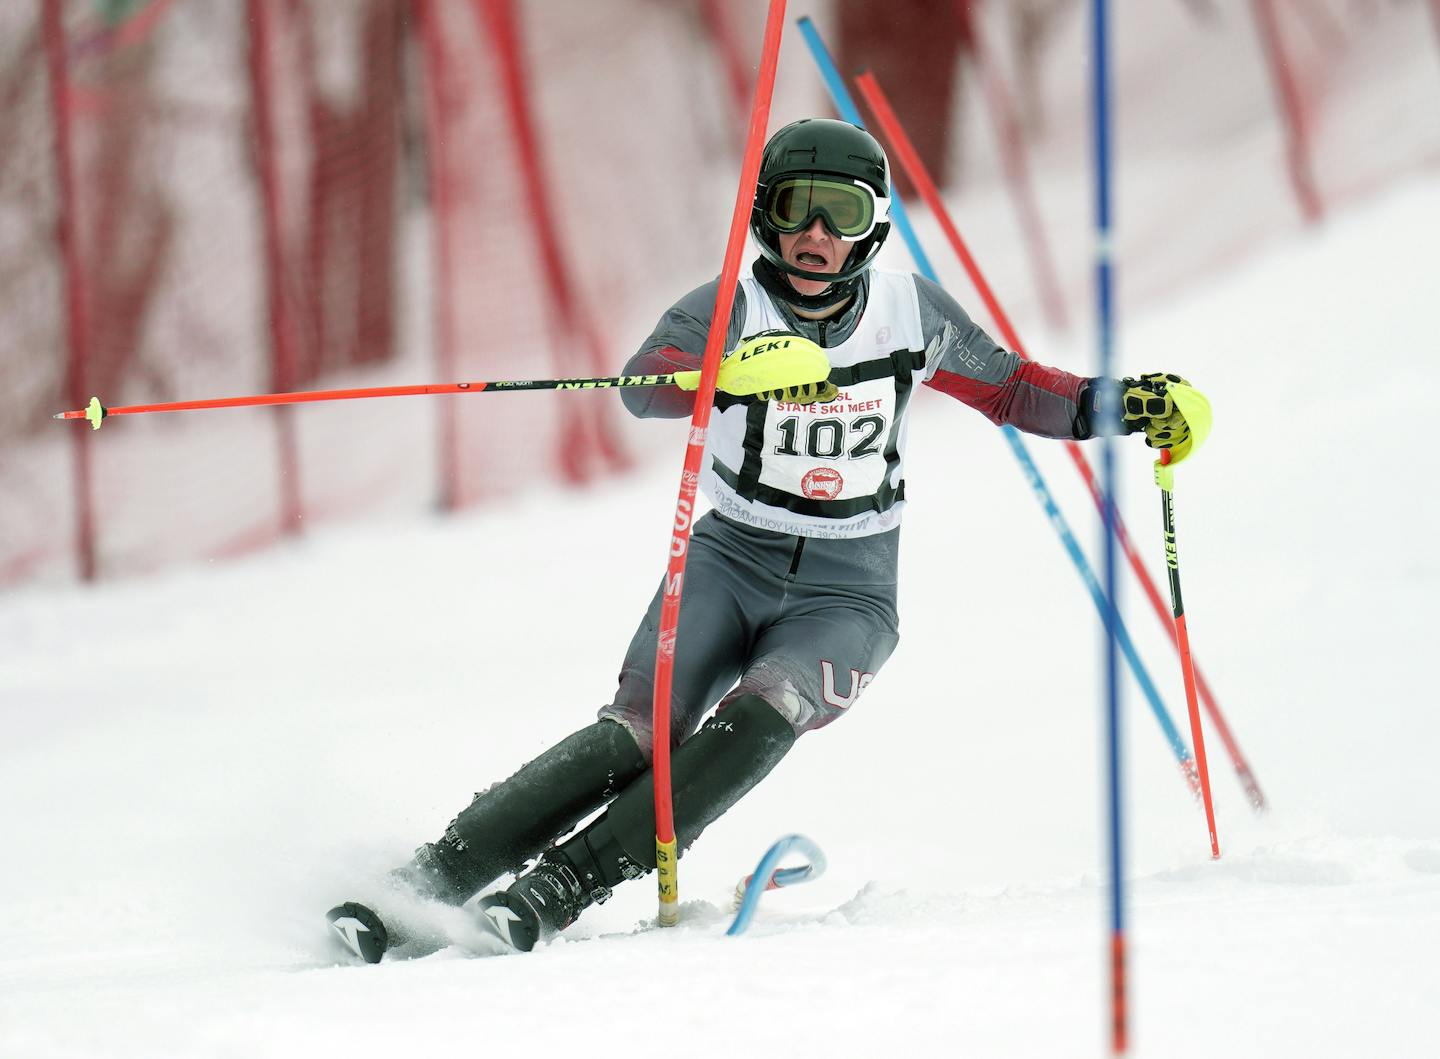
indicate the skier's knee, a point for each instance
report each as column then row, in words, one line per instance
column 759, row 713
column 807, row 699
column 637, row 723
column 732, row 752
column 637, row 717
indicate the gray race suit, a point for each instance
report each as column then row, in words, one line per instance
column 790, row 584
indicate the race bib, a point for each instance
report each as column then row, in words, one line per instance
column 832, row 451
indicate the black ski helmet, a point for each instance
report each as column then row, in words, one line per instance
column 836, row 148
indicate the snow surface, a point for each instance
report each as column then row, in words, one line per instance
column 195, row 765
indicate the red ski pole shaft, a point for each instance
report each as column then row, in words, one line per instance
column 919, row 176
column 1182, row 633
column 666, row 853
column 96, row 411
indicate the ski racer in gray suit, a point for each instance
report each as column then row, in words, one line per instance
column 789, row 604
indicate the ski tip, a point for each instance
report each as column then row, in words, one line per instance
column 358, row 930
column 517, row 931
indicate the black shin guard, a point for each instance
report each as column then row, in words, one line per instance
column 512, row 821
column 710, row 772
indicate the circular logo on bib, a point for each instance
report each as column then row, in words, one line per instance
column 822, row 483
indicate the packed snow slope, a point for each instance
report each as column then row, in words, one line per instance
column 195, row 766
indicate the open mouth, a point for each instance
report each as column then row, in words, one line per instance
column 809, row 260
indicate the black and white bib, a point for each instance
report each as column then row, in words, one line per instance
column 825, row 470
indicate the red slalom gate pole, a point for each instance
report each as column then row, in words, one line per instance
column 439, row 105
column 666, row 854
column 909, row 159
column 284, row 329
column 737, row 78
column 1017, row 174
column 1435, row 17
column 75, row 277
column 1292, row 110
column 586, row 429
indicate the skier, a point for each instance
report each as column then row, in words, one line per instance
column 789, row 604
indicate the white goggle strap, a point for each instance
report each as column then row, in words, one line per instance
column 880, row 212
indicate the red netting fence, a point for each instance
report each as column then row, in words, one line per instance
column 202, row 198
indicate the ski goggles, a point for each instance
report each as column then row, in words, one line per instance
column 850, row 208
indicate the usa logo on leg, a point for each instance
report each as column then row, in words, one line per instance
column 858, row 682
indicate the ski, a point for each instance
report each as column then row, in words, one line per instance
column 768, row 875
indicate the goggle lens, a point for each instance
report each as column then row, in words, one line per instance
column 848, row 209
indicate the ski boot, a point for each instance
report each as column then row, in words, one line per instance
column 549, row 897
column 503, row 827
column 731, row 753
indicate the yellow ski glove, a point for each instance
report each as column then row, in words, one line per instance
column 1149, row 406
column 770, row 363
column 822, row 392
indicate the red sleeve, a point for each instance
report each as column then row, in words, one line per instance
column 1034, row 398
column 660, row 402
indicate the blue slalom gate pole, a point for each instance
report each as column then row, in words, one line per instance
column 845, row 105
column 1099, row 65
column 840, row 96
column 1097, row 594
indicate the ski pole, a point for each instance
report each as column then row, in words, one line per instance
column 1196, row 410
column 920, row 177
column 1102, row 604
column 96, row 412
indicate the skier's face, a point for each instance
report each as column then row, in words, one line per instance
column 813, row 249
